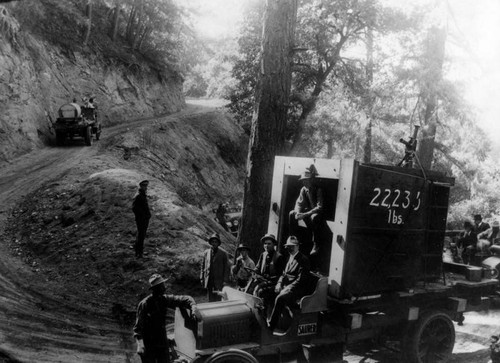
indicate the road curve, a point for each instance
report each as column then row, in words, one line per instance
column 34, row 325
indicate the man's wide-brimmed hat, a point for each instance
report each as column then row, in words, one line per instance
column 214, row 237
column 292, row 241
column 495, row 224
column 243, row 247
column 144, row 183
column 155, row 280
column 477, row 217
column 268, row 236
column 309, row 173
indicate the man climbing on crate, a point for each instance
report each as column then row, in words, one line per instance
column 309, row 208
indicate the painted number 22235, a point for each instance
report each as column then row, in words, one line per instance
column 394, row 198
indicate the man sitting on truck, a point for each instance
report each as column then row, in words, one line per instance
column 270, row 265
column 294, row 283
column 468, row 242
column 309, row 207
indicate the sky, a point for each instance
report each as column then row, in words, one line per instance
column 474, row 23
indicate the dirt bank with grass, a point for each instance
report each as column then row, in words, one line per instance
column 69, row 230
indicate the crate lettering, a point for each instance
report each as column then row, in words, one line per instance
column 394, row 198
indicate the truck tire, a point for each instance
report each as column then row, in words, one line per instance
column 232, row 356
column 60, row 138
column 430, row 339
column 88, row 136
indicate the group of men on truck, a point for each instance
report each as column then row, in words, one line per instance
column 274, row 278
column 474, row 241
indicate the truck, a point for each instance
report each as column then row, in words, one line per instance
column 77, row 121
column 380, row 276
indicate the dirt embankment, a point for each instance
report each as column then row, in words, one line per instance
column 70, row 239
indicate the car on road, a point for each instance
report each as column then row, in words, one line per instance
column 77, row 121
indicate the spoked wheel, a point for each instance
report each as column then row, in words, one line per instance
column 232, row 356
column 88, row 136
column 430, row 340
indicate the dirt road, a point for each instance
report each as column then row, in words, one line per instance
column 36, row 326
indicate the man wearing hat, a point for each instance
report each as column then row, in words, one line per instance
column 294, row 283
column 308, row 207
column 479, row 225
column 215, row 267
column 150, row 326
column 270, row 265
column 240, row 273
column 491, row 234
column 140, row 207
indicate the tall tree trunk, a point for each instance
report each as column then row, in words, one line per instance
column 114, row 21
column 130, row 25
column 88, row 13
column 367, row 155
column 269, row 119
column 435, row 57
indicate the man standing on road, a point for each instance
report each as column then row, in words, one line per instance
column 150, row 326
column 140, row 207
column 214, row 268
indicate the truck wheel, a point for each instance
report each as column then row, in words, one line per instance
column 60, row 138
column 88, row 136
column 232, row 355
column 431, row 339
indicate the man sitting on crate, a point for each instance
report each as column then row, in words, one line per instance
column 293, row 284
column 309, row 208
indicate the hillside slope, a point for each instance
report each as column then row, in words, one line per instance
column 70, row 238
column 38, row 75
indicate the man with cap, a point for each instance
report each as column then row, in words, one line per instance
column 242, row 263
column 294, row 283
column 479, row 225
column 215, row 267
column 309, row 207
column 140, row 207
column 270, row 265
column 150, row 326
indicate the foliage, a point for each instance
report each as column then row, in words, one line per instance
column 147, row 30
column 332, row 94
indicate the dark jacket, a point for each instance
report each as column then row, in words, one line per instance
column 140, row 207
column 481, row 227
column 276, row 265
column 468, row 239
column 295, row 277
column 215, row 267
column 150, row 322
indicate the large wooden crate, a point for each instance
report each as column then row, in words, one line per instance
column 387, row 223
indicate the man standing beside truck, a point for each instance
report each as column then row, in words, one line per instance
column 150, row 326
column 215, row 267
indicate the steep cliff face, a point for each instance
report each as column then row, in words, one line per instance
column 36, row 78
